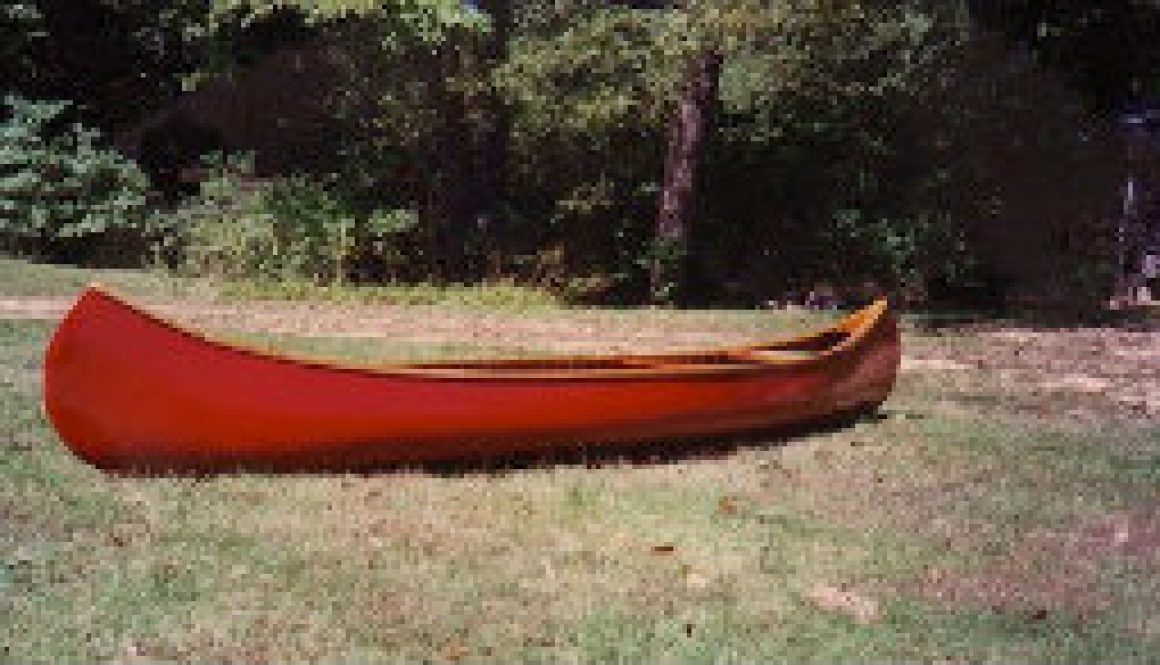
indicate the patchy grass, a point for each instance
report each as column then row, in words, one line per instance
column 495, row 296
column 20, row 278
column 376, row 349
column 985, row 523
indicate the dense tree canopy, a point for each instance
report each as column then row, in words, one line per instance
column 101, row 53
column 700, row 151
column 1107, row 50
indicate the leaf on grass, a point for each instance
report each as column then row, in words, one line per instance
column 844, row 601
column 695, row 580
column 727, row 505
column 456, row 652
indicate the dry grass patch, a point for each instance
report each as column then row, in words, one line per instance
column 1086, row 374
column 1052, row 570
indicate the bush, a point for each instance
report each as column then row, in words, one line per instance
column 59, row 190
column 287, row 229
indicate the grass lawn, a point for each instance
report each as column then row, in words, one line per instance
column 1002, row 508
column 23, row 279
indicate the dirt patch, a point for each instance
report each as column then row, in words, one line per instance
column 30, row 309
column 1049, row 571
column 1081, row 383
column 1084, row 373
column 1134, row 535
column 861, row 609
column 933, row 365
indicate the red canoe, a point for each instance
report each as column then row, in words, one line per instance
column 129, row 390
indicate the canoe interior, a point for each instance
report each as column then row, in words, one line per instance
column 789, row 351
column 795, row 350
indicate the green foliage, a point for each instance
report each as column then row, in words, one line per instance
column 811, row 94
column 1025, row 171
column 23, row 27
column 428, row 20
column 224, row 231
column 872, row 141
column 940, row 172
column 290, row 228
column 1106, row 51
column 101, row 53
column 810, row 178
column 666, row 257
column 59, row 187
column 587, row 97
column 603, row 71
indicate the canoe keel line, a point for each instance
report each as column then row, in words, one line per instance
column 130, row 391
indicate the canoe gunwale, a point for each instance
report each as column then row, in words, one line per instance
column 728, row 362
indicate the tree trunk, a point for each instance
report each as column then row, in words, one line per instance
column 688, row 132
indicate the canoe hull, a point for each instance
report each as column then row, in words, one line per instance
column 127, row 391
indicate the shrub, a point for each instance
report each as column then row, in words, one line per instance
column 59, row 189
column 287, row 229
